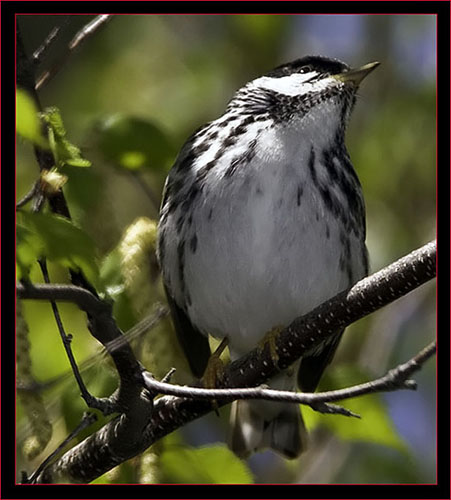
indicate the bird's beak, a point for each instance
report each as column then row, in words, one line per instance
column 356, row 75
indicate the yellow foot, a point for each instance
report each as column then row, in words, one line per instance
column 270, row 340
column 215, row 370
column 215, row 367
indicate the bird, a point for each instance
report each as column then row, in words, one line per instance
column 262, row 219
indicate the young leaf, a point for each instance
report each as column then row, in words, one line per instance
column 63, row 151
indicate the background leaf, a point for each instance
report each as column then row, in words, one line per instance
column 374, row 426
column 27, row 119
column 62, row 241
column 205, row 465
column 133, row 143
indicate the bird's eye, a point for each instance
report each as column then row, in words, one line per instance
column 305, row 69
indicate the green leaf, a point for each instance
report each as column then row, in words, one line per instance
column 209, row 464
column 133, row 143
column 63, row 151
column 27, row 121
column 53, row 118
column 29, row 248
column 78, row 162
column 60, row 240
column 374, row 426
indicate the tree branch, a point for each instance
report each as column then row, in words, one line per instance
column 395, row 379
column 90, row 400
column 115, row 442
column 87, row 420
column 86, row 32
column 100, row 320
column 83, row 298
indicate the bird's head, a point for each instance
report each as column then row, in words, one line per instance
column 295, row 89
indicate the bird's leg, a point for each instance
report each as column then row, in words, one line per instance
column 270, row 340
column 214, row 371
column 215, row 367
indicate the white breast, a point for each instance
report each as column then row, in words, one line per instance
column 270, row 250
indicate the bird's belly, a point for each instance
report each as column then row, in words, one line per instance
column 264, row 258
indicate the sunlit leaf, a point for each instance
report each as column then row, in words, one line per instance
column 27, row 121
column 132, row 160
column 78, row 162
column 208, row 464
column 63, row 151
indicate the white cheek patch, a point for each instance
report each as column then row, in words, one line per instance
column 292, row 85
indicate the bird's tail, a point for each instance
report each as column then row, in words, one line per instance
column 256, row 425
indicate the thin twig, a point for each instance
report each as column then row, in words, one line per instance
column 395, row 379
column 86, row 421
column 142, row 184
column 99, row 403
column 40, row 52
column 29, row 196
column 145, row 325
column 86, row 32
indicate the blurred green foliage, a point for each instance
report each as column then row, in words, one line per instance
column 374, row 426
column 27, row 122
column 59, row 240
column 204, row 465
column 129, row 99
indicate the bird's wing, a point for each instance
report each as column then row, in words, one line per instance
column 194, row 344
column 313, row 365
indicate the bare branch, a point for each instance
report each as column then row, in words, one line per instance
column 113, row 445
column 395, row 379
column 29, row 196
column 86, row 32
column 83, row 298
column 105, row 406
column 40, row 52
column 147, row 190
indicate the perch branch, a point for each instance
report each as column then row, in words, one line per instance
column 395, row 379
column 112, row 444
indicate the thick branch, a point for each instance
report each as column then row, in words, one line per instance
column 105, row 449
